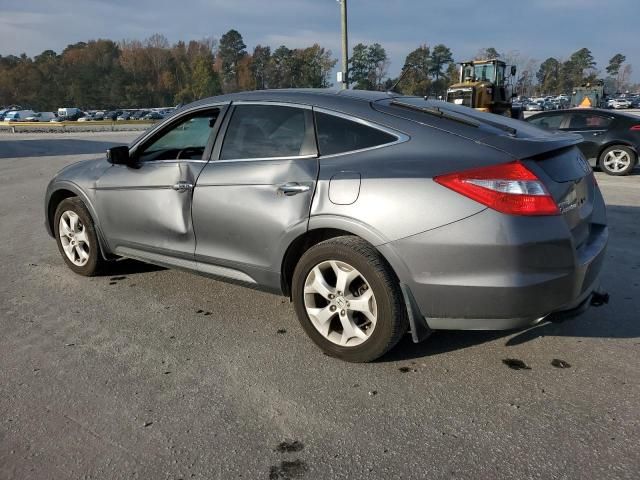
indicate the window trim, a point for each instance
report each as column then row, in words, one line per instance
column 217, row 147
column 400, row 137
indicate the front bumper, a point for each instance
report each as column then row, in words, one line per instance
column 498, row 272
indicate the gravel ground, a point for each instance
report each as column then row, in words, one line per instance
column 153, row 373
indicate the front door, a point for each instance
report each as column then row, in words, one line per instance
column 254, row 197
column 145, row 209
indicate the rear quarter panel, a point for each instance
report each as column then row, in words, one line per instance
column 397, row 196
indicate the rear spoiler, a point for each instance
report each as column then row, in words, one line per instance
column 525, row 147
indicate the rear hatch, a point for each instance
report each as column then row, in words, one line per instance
column 552, row 156
column 569, row 179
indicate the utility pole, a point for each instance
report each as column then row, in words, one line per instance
column 345, row 45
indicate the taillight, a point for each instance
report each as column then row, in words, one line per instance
column 508, row 188
column 635, row 128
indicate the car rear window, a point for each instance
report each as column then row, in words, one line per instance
column 340, row 135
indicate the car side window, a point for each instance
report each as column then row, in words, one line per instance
column 185, row 140
column 339, row 135
column 583, row 121
column 549, row 122
column 265, row 131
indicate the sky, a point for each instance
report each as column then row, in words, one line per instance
column 537, row 29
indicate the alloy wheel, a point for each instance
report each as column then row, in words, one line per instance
column 617, row 160
column 74, row 239
column 340, row 303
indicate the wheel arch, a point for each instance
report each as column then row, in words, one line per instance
column 321, row 229
column 69, row 190
column 614, row 143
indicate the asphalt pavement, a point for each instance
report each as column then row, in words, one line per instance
column 151, row 373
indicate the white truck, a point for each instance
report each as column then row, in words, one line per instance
column 69, row 112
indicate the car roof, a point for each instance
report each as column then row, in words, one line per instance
column 321, row 97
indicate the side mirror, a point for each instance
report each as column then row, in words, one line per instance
column 513, row 70
column 119, row 155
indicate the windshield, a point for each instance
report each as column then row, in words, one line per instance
column 482, row 73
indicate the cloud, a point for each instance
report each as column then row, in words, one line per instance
column 538, row 29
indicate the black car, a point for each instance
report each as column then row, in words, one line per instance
column 611, row 139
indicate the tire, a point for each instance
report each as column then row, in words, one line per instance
column 369, row 271
column 617, row 160
column 83, row 240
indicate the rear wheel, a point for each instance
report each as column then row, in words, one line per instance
column 617, row 160
column 76, row 237
column 348, row 299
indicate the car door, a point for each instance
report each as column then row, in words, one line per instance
column 254, row 197
column 591, row 126
column 145, row 208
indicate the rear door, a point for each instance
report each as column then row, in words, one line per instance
column 592, row 127
column 254, row 197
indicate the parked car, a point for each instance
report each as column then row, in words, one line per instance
column 69, row 112
column 334, row 198
column 611, row 140
column 18, row 115
column 139, row 114
column 620, row 103
column 40, row 117
column 153, row 116
column 112, row 115
column 533, row 107
column 124, row 116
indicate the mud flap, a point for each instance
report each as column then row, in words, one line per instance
column 418, row 327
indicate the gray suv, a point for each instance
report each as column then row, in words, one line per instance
column 377, row 214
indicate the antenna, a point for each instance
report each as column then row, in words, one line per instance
column 400, row 78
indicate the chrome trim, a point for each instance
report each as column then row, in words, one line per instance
column 263, row 159
column 401, row 137
column 270, row 104
column 179, row 160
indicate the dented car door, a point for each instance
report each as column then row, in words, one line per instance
column 145, row 207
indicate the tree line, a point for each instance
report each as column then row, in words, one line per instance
column 133, row 73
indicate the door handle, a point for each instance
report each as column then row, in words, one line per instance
column 292, row 188
column 182, row 187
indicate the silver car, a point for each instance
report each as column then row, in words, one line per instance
column 376, row 214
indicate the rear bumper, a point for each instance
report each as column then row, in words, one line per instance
column 497, row 272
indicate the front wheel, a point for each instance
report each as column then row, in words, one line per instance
column 348, row 299
column 76, row 237
column 617, row 160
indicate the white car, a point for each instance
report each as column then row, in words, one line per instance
column 41, row 117
column 619, row 103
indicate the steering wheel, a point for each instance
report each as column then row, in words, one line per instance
column 189, row 152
